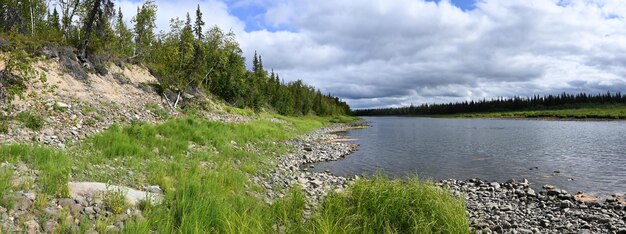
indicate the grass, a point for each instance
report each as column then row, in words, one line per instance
column 584, row 112
column 31, row 120
column 203, row 168
column 343, row 119
column 53, row 165
column 381, row 205
column 158, row 110
column 5, row 187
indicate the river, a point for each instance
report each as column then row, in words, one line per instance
column 587, row 156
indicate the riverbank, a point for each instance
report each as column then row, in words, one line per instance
column 202, row 175
column 591, row 113
column 515, row 207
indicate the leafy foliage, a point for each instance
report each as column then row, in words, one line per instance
column 115, row 199
column 188, row 59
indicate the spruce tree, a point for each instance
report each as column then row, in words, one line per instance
column 198, row 24
column 54, row 20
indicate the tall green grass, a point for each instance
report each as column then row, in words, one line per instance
column 5, row 187
column 204, row 169
column 381, row 205
column 53, row 165
column 202, row 166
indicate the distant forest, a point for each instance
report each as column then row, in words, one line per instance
column 536, row 102
column 190, row 57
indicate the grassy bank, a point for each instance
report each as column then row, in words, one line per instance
column 203, row 169
column 584, row 112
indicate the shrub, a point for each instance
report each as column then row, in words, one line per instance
column 31, row 120
column 115, row 199
column 4, row 127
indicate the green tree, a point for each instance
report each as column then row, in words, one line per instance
column 198, row 24
column 144, row 28
column 69, row 8
column 54, row 21
column 124, row 36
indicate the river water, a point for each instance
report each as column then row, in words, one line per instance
column 587, row 156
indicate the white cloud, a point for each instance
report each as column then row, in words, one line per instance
column 215, row 12
column 381, row 53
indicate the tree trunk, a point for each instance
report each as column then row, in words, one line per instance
column 177, row 98
column 32, row 18
column 88, row 28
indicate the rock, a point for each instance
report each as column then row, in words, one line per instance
column 549, row 187
column 66, row 202
column 49, row 226
column 316, row 183
column 75, row 208
column 531, row 192
column 566, row 204
column 495, row 185
column 63, row 105
column 30, row 196
column 32, row 226
column 112, row 229
column 91, row 189
column 52, row 212
column 89, row 210
column 553, row 192
column 155, row 189
column 506, row 208
column 23, row 203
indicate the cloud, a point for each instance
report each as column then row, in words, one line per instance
column 376, row 53
column 215, row 12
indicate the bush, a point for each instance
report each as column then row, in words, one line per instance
column 381, row 205
column 31, row 120
column 115, row 200
column 4, row 127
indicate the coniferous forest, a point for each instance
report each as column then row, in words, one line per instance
column 191, row 57
column 548, row 102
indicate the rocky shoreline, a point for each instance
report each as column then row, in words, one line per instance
column 293, row 168
column 492, row 207
column 514, row 207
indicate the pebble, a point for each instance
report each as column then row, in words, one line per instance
column 294, row 167
column 527, row 212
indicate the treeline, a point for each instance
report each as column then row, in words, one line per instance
column 189, row 58
column 536, row 102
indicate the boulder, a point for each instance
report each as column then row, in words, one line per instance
column 91, row 189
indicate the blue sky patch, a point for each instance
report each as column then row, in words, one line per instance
column 253, row 15
column 465, row 5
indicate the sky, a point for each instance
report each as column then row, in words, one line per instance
column 385, row 53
